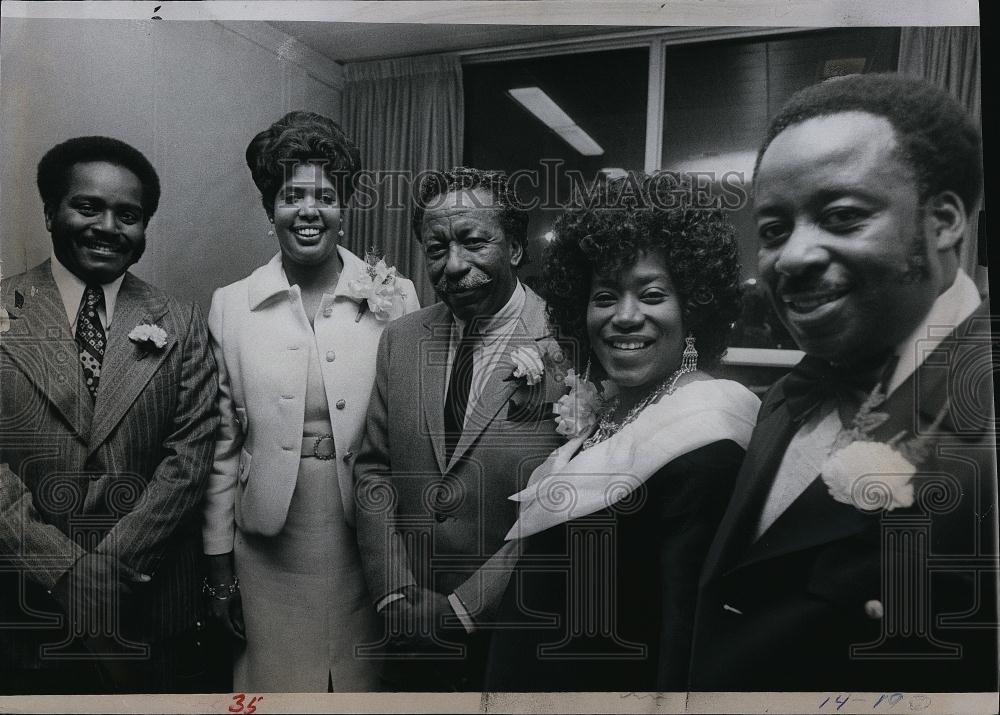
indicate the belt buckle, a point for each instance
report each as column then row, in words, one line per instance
column 327, row 455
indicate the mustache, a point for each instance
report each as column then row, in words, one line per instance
column 469, row 281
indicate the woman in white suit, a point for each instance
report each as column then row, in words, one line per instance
column 296, row 342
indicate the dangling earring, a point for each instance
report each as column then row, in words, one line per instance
column 689, row 360
column 341, row 231
column 586, row 372
column 270, row 231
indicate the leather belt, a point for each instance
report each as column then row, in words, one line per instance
column 319, row 446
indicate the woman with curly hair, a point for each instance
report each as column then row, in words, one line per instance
column 615, row 525
column 295, row 342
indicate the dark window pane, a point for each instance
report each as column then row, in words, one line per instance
column 604, row 94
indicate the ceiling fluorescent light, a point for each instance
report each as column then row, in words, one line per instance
column 552, row 115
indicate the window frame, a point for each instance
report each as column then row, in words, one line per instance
column 657, row 40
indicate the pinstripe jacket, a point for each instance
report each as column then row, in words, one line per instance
column 123, row 474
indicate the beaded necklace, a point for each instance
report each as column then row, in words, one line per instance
column 607, row 426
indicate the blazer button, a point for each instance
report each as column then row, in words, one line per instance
column 327, row 312
column 341, row 404
column 874, row 609
column 330, row 356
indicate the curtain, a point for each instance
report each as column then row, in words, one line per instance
column 949, row 57
column 407, row 117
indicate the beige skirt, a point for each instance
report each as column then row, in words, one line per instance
column 305, row 602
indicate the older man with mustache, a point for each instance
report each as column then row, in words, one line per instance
column 859, row 550
column 458, row 419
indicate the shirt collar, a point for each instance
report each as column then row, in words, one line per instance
column 493, row 327
column 270, row 280
column 71, row 290
column 951, row 307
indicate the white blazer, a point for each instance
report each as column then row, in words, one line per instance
column 259, row 334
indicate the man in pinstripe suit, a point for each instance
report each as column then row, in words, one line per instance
column 108, row 411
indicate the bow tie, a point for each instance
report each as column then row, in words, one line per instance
column 814, row 380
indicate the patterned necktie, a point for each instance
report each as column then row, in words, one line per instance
column 457, row 399
column 90, row 337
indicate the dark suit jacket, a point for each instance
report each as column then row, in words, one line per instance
column 795, row 609
column 636, row 584
column 123, row 475
column 426, row 520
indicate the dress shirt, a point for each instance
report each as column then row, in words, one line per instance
column 951, row 307
column 494, row 334
column 813, row 442
column 71, row 291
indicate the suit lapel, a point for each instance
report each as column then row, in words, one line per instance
column 433, row 368
column 127, row 367
column 528, row 328
column 41, row 342
column 916, row 402
column 736, row 530
column 492, row 398
column 815, row 518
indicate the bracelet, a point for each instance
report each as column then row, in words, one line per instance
column 222, row 592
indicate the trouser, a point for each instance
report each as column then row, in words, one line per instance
column 179, row 664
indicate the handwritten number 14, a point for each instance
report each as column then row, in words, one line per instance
column 841, row 701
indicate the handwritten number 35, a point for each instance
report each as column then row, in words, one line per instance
column 250, row 708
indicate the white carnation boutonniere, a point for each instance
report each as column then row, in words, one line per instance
column 576, row 412
column 148, row 337
column 538, row 370
column 377, row 289
column 872, row 475
column 528, row 365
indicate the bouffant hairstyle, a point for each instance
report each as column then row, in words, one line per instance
column 639, row 214
column 512, row 215
column 299, row 138
column 936, row 136
column 54, row 169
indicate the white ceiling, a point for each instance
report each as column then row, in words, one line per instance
column 358, row 42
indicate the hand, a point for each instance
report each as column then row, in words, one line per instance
column 417, row 628
column 228, row 611
column 418, row 618
column 432, row 608
column 94, row 586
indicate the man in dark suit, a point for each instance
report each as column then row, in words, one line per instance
column 859, row 550
column 108, row 395
column 454, row 428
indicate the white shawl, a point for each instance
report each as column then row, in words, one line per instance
column 565, row 487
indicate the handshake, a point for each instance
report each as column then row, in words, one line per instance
column 420, row 619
